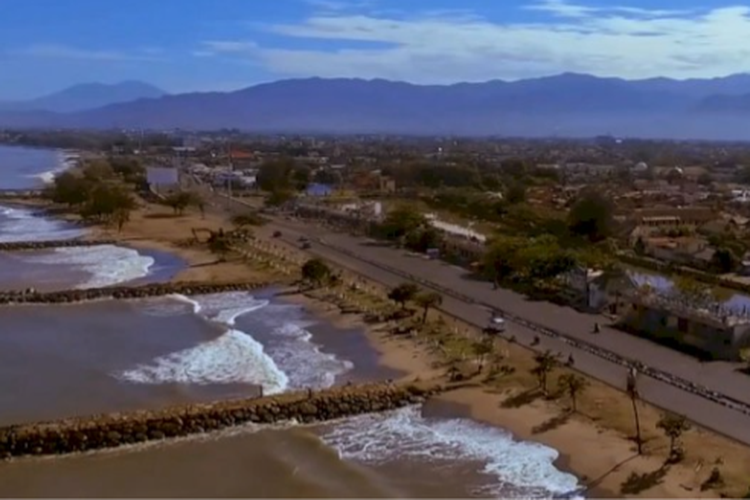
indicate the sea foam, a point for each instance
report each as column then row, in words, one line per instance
column 285, row 359
column 406, row 434
column 20, row 224
column 233, row 357
column 65, row 161
column 106, row 264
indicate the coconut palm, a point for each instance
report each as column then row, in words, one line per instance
column 426, row 301
column 632, row 390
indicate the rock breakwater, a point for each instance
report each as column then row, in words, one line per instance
column 16, row 246
column 119, row 429
column 31, row 296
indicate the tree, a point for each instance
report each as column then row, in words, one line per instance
column 403, row 293
column 673, row 427
column 248, row 219
column 70, row 188
column 300, row 177
column 275, row 175
column 279, row 197
column 691, row 289
column 591, row 216
column 639, row 247
column 516, row 193
column 573, row 385
column 427, row 300
column 422, row 239
column 180, row 200
column 108, row 202
column 545, row 363
column 543, row 258
column 401, row 221
column 481, row 350
column 500, row 256
column 723, row 260
column 220, row 245
column 316, row 271
column 631, row 388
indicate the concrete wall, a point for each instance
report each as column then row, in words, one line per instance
column 110, row 431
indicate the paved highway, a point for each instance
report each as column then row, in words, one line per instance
column 358, row 255
column 466, row 299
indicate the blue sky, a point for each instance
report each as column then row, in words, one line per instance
column 188, row 45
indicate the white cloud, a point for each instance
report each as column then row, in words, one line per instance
column 623, row 41
column 54, row 51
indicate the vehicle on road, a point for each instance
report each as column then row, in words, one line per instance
column 306, row 245
column 496, row 326
column 277, row 234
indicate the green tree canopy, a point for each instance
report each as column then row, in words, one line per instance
column 108, row 202
column 402, row 220
column 591, row 216
column 403, row 293
column 70, row 188
column 316, row 271
column 427, row 301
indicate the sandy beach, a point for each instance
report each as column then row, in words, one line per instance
column 594, row 443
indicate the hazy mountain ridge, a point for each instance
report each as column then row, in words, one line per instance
column 568, row 104
column 85, row 96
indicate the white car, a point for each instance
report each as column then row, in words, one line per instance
column 497, row 324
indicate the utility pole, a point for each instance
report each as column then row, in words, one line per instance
column 231, row 169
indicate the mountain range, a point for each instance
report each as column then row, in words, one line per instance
column 569, row 104
column 84, row 97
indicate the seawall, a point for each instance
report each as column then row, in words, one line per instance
column 22, row 194
column 118, row 429
column 15, row 246
column 31, row 296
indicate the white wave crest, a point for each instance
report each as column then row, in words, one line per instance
column 65, row 161
column 231, row 358
column 19, row 224
column 107, row 264
column 406, row 434
column 303, row 360
column 234, row 357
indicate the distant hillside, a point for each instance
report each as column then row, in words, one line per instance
column 565, row 105
column 86, row 96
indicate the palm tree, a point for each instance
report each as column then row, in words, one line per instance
column 426, row 301
column 545, row 362
column 481, row 350
column 573, row 385
column 673, row 427
column 632, row 390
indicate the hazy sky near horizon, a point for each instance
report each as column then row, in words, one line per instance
column 187, row 45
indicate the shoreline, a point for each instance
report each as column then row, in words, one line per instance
column 596, row 455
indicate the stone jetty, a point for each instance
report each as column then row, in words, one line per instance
column 22, row 194
column 16, row 246
column 113, row 430
column 31, row 296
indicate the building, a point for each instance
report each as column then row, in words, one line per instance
column 673, row 216
column 708, row 328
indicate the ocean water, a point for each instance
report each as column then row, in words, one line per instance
column 31, row 168
column 109, row 356
column 66, row 360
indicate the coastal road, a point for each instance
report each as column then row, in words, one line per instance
column 359, row 255
column 353, row 253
